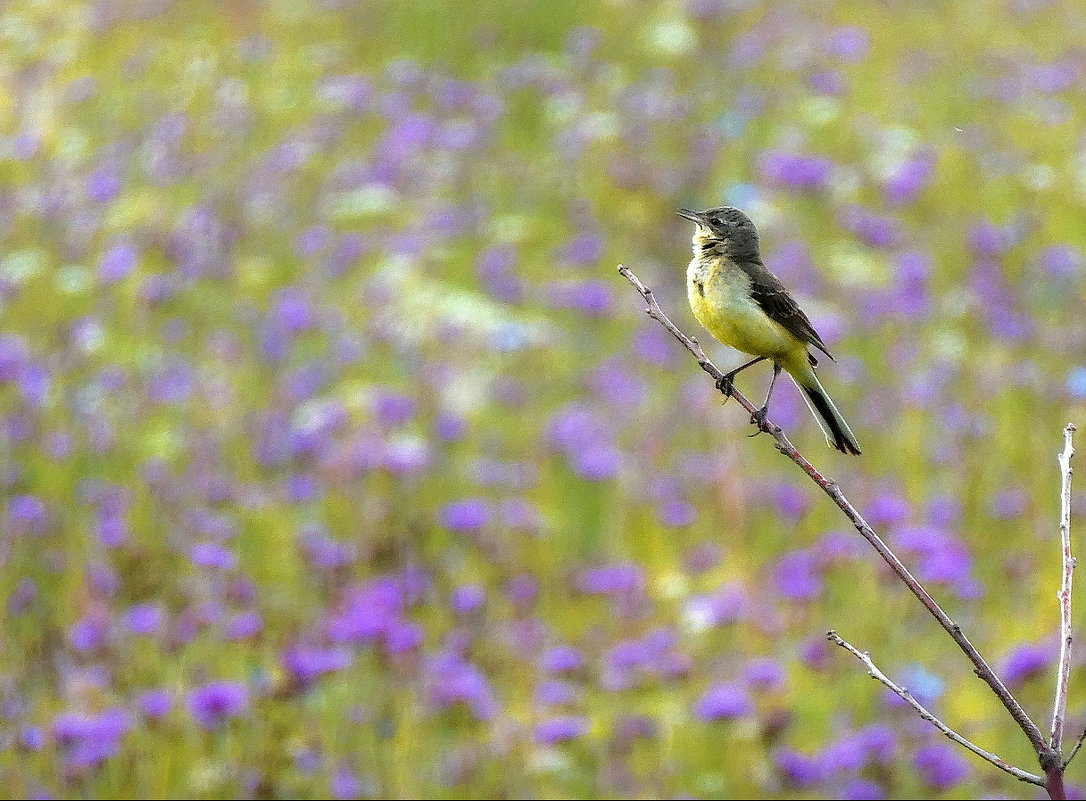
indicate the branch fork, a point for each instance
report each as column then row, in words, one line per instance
column 1049, row 751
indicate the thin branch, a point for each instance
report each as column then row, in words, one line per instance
column 905, row 695
column 981, row 668
column 1063, row 671
column 1074, row 751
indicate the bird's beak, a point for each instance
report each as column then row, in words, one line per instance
column 693, row 216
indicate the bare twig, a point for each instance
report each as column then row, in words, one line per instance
column 905, row 695
column 1063, row 671
column 1074, row 750
column 830, row 487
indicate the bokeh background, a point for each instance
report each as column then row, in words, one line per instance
column 337, row 459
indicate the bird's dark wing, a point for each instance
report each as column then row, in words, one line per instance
column 779, row 306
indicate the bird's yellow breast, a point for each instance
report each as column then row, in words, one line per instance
column 719, row 294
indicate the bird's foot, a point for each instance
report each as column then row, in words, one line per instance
column 725, row 384
column 758, row 418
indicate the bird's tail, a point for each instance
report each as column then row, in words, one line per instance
column 833, row 425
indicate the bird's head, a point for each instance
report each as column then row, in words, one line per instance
column 725, row 225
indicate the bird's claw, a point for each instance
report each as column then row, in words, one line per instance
column 725, row 384
column 758, row 418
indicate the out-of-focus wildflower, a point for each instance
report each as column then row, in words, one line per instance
column 940, row 766
column 561, row 659
column 560, row 729
column 87, row 740
column 723, row 701
column 797, row 768
column 217, row 702
column 795, row 170
column 450, row 680
column 154, row 704
column 469, row 514
column 797, row 575
column 306, row 665
column 1024, row 662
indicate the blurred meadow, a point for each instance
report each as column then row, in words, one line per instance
column 337, row 460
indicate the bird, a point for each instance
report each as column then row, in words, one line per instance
column 745, row 306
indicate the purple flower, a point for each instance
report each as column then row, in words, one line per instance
column 653, row 345
column 346, row 785
column 582, row 250
column 450, row 427
column 797, row 575
column 878, row 742
column 522, row 590
column 560, row 729
column 795, row 171
column 943, row 557
column 940, row 766
column 87, row 740
column 292, row 310
column 212, row 554
column 596, row 463
column 155, row 704
column 907, row 179
column 850, row 43
column 306, row 665
column 1024, row 662
column 34, row 381
column 393, row 408
column 591, row 297
column 13, row 355
column 26, row 513
column 450, row 679
column 556, row 693
column 403, row 636
column 791, row 500
column 798, row 768
column 32, row 738
column 872, row 229
column 614, row 579
column 215, row 703
column 144, row 619
column 862, row 790
column 118, row 262
column 469, row 514
column 827, row 82
column 88, row 633
column 723, row 701
column 103, row 185
column 368, row 611
column 987, row 239
column 243, row 625
column 561, row 659
column 1009, row 503
column 764, row 673
column 677, row 513
column 912, row 270
column 467, row 598
column 1062, row 261
column 301, row 488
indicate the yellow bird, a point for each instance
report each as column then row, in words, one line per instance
column 745, row 306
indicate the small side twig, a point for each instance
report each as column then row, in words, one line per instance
column 905, row 695
column 1063, row 670
column 1074, row 751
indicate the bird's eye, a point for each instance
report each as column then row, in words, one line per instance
column 717, row 221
